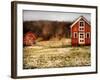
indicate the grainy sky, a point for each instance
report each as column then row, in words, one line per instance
column 29, row 15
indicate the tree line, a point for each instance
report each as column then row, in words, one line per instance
column 48, row 29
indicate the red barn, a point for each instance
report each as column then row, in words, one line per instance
column 29, row 39
column 81, row 32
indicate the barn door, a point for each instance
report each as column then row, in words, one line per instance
column 82, row 38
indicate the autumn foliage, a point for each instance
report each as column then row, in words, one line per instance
column 47, row 29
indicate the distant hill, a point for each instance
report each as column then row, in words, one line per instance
column 48, row 29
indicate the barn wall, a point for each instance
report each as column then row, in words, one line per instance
column 87, row 27
column 75, row 28
column 74, row 40
column 87, row 41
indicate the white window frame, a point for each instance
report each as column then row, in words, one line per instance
column 86, row 34
column 80, row 38
column 75, row 35
column 81, row 28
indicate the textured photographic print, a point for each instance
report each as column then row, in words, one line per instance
column 56, row 39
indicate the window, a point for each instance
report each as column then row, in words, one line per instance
column 81, row 25
column 81, row 28
column 75, row 34
column 88, row 35
column 81, row 35
column 81, row 40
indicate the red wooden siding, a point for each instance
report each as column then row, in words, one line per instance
column 87, row 27
column 86, row 31
column 29, row 39
column 74, row 40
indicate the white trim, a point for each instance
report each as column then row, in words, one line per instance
column 82, row 27
column 82, row 39
column 78, row 20
column 86, row 34
column 75, row 33
column 83, row 23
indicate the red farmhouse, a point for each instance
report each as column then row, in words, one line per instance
column 29, row 39
column 81, row 32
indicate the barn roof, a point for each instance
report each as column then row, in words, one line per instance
column 81, row 17
column 31, row 33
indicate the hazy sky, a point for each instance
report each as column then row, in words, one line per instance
column 29, row 15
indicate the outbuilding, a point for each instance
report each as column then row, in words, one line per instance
column 29, row 39
column 81, row 32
